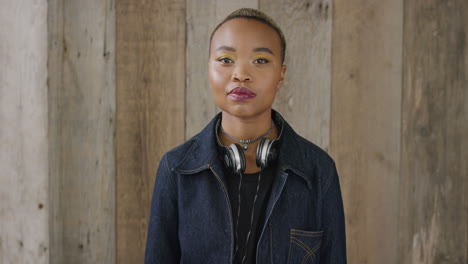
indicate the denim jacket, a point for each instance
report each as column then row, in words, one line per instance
column 191, row 221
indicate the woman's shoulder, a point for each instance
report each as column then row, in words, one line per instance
column 200, row 148
column 178, row 153
column 295, row 143
column 312, row 161
column 316, row 151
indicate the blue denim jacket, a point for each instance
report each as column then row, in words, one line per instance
column 191, row 219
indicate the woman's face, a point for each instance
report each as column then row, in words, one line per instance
column 245, row 68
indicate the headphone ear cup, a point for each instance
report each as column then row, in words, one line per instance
column 227, row 158
column 262, row 151
column 272, row 152
column 235, row 159
column 266, row 153
column 258, row 155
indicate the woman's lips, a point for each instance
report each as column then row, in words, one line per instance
column 241, row 94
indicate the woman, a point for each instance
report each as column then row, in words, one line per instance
column 247, row 188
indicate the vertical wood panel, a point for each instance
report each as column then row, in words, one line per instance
column 81, row 131
column 55, row 82
column 434, row 156
column 150, row 109
column 24, row 206
column 202, row 18
column 365, row 123
column 304, row 99
column 200, row 107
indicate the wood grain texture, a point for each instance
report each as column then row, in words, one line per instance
column 202, row 17
column 150, row 109
column 200, row 107
column 24, row 236
column 55, row 82
column 434, row 154
column 81, row 131
column 304, row 98
column 365, row 123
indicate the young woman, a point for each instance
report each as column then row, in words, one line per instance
column 247, row 188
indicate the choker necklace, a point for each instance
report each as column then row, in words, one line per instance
column 245, row 142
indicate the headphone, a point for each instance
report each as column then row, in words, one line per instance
column 234, row 157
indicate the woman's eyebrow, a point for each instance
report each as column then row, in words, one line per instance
column 267, row 50
column 226, row 48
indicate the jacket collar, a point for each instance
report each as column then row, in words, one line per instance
column 204, row 151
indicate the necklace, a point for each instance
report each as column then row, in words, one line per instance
column 245, row 142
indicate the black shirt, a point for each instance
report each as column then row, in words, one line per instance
column 247, row 195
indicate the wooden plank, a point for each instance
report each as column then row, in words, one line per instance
column 24, row 235
column 199, row 102
column 81, row 131
column 55, row 82
column 365, row 123
column 150, row 109
column 434, row 183
column 304, row 99
column 202, row 17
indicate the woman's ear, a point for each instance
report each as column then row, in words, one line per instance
column 282, row 73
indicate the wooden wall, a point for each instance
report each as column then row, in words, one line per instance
column 24, row 231
column 81, row 131
column 365, row 123
column 381, row 85
column 433, row 226
column 150, row 110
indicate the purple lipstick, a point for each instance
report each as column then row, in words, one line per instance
column 241, row 94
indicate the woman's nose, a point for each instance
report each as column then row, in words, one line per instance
column 241, row 73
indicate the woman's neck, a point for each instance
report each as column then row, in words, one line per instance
column 246, row 128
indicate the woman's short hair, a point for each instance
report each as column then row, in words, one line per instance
column 251, row 13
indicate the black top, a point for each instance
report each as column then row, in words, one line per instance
column 247, row 195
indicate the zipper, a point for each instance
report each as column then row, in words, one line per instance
column 230, row 210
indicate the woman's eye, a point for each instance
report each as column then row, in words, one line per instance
column 261, row 61
column 225, row 60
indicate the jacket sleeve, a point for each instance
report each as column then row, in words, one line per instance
column 333, row 250
column 162, row 243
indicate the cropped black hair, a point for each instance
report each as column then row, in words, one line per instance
column 251, row 13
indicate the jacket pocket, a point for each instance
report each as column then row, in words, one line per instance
column 304, row 246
